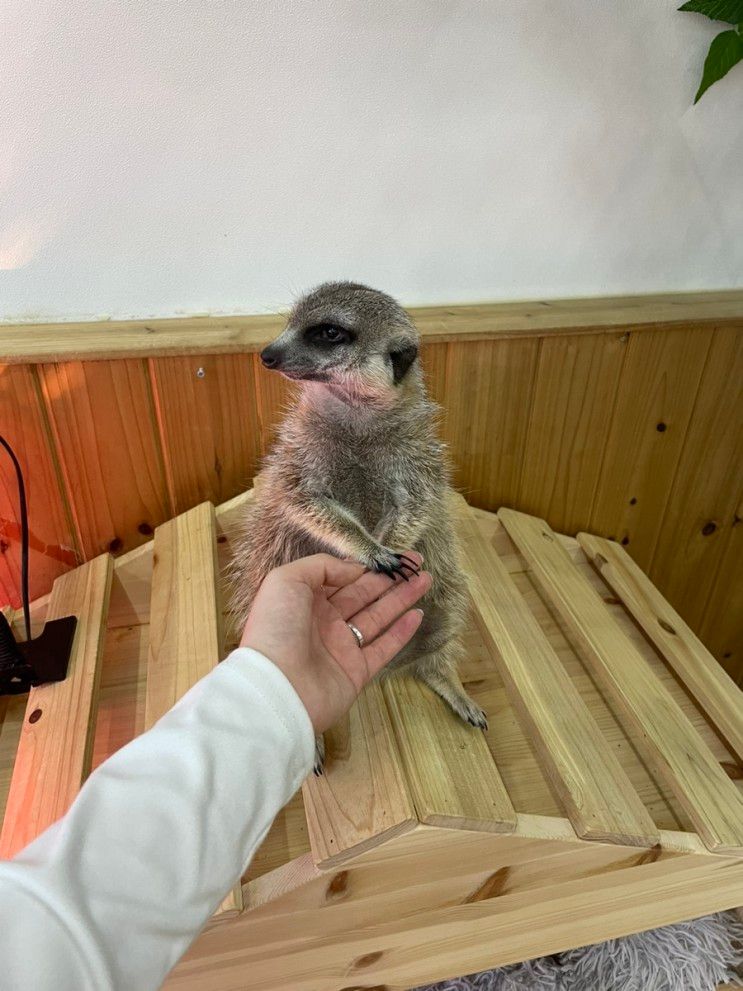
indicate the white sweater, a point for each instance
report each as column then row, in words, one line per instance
column 112, row 895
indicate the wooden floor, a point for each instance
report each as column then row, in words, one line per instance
column 605, row 797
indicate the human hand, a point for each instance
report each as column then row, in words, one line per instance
column 299, row 621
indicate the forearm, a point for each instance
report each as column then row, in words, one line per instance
column 157, row 836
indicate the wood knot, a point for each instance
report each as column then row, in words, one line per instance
column 633, row 501
column 145, row 528
column 492, row 887
column 625, row 541
column 35, row 716
column 666, row 626
column 116, row 544
column 367, row 960
column 337, row 887
column 708, row 528
column 661, row 427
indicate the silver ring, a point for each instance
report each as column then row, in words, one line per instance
column 357, row 633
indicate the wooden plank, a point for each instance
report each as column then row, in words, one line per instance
column 720, row 627
column 362, row 799
column 353, row 931
column 26, row 343
column 670, row 741
column 206, row 415
column 101, row 417
column 52, row 545
column 597, row 795
column 713, row 689
column 56, row 743
column 434, row 361
column 654, row 405
column 489, row 389
column 185, row 619
column 701, row 510
column 453, row 778
column 574, row 391
column 273, row 393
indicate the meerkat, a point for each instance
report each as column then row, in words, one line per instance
column 358, row 471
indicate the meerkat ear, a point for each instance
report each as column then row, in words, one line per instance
column 402, row 357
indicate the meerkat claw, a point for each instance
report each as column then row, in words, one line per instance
column 408, row 562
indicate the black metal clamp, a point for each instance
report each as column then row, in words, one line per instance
column 35, row 662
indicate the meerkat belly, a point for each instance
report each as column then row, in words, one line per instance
column 369, row 490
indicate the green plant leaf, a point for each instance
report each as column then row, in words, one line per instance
column 725, row 51
column 718, row 10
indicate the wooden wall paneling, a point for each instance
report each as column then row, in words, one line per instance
column 434, row 359
column 272, row 393
column 574, row 392
column 103, row 423
column 206, row 414
column 721, row 626
column 53, row 547
column 706, row 491
column 655, row 399
column 489, row 392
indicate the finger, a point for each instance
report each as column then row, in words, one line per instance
column 384, row 648
column 354, row 597
column 377, row 616
column 321, row 569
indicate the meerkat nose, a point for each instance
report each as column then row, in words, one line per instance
column 271, row 356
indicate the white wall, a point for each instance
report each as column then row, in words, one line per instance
column 183, row 156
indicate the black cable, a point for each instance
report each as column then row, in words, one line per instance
column 24, row 537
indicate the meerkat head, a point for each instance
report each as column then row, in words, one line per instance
column 354, row 339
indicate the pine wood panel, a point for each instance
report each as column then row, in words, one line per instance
column 706, row 492
column 654, row 405
column 273, row 393
column 598, row 797
column 434, row 358
column 672, row 745
column 489, row 389
column 362, row 799
column 24, row 343
column 721, row 627
column 208, row 423
column 56, row 741
column 53, row 547
column 574, row 393
column 453, row 778
column 101, row 417
column 713, row 689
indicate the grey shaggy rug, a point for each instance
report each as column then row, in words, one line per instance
column 689, row 956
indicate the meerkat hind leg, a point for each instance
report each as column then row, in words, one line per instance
column 439, row 673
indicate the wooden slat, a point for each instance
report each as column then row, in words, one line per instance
column 671, row 743
column 185, row 618
column 598, row 797
column 362, row 799
column 103, row 425
column 56, row 744
column 713, row 689
column 206, row 416
column 574, row 391
column 720, row 628
column 53, row 549
column 489, row 388
column 22, row 343
column 654, row 405
column 453, row 778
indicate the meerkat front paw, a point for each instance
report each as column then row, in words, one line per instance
column 390, row 563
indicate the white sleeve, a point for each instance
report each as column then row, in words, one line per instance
column 112, row 895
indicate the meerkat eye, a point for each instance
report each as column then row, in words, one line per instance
column 328, row 333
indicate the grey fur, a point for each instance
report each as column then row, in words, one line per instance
column 358, row 470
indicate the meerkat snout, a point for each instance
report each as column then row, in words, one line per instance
column 357, row 340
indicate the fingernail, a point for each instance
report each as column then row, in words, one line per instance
column 420, row 611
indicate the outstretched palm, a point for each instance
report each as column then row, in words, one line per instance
column 300, row 621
